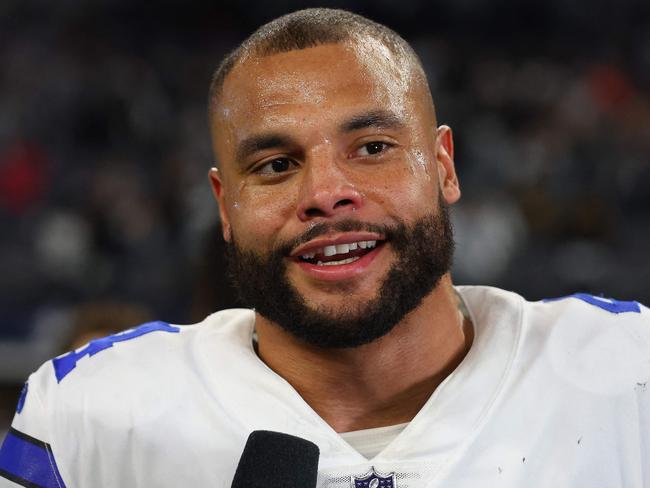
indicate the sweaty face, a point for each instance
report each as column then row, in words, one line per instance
column 333, row 188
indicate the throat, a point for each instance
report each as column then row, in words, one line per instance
column 371, row 412
column 382, row 383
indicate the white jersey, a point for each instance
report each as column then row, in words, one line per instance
column 552, row 394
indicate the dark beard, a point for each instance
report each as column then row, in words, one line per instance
column 424, row 253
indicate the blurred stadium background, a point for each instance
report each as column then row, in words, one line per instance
column 106, row 216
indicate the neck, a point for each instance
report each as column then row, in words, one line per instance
column 382, row 383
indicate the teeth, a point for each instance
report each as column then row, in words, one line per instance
column 329, row 250
column 338, row 263
column 340, row 249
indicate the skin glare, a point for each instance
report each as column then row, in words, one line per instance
column 306, row 161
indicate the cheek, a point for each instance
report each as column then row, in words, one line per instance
column 405, row 188
column 259, row 213
column 421, row 164
column 421, row 188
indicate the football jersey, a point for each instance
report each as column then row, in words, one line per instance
column 551, row 394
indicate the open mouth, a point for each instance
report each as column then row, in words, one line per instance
column 339, row 254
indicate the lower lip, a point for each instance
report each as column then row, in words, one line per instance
column 341, row 271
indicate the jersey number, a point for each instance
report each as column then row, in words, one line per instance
column 64, row 364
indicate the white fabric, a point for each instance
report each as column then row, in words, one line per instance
column 370, row 442
column 551, row 394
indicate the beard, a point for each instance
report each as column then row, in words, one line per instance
column 423, row 250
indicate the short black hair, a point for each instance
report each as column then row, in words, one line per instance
column 310, row 28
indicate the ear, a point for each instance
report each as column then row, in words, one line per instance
column 447, row 177
column 218, row 192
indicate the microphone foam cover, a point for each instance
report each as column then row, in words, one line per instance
column 273, row 459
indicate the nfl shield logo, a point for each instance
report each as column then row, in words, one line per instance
column 373, row 479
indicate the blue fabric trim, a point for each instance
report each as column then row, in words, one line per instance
column 22, row 398
column 64, row 364
column 607, row 304
column 28, row 461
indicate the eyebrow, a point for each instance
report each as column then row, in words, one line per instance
column 382, row 119
column 274, row 140
column 260, row 142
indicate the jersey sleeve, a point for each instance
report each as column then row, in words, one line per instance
column 26, row 455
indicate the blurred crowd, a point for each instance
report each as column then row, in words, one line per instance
column 104, row 153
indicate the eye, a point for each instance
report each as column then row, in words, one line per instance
column 276, row 166
column 372, row 148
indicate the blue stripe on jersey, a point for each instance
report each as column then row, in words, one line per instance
column 22, row 398
column 28, row 462
column 64, row 364
column 607, row 304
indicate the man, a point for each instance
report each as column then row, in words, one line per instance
column 333, row 184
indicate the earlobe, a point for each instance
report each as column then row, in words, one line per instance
column 448, row 179
column 219, row 195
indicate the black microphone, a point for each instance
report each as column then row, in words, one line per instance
column 277, row 459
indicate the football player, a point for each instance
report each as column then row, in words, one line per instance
column 334, row 182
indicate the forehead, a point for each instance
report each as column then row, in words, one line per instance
column 323, row 79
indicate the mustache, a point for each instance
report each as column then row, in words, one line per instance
column 324, row 228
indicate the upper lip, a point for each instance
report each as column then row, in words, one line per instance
column 346, row 238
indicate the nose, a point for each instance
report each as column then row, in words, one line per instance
column 326, row 191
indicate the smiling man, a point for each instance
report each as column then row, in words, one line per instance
column 334, row 184
column 333, row 189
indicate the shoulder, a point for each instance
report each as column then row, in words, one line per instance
column 575, row 331
column 597, row 305
column 146, row 368
column 580, row 309
column 593, row 336
column 152, row 353
column 151, row 344
column 585, row 315
column 596, row 344
column 114, row 391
